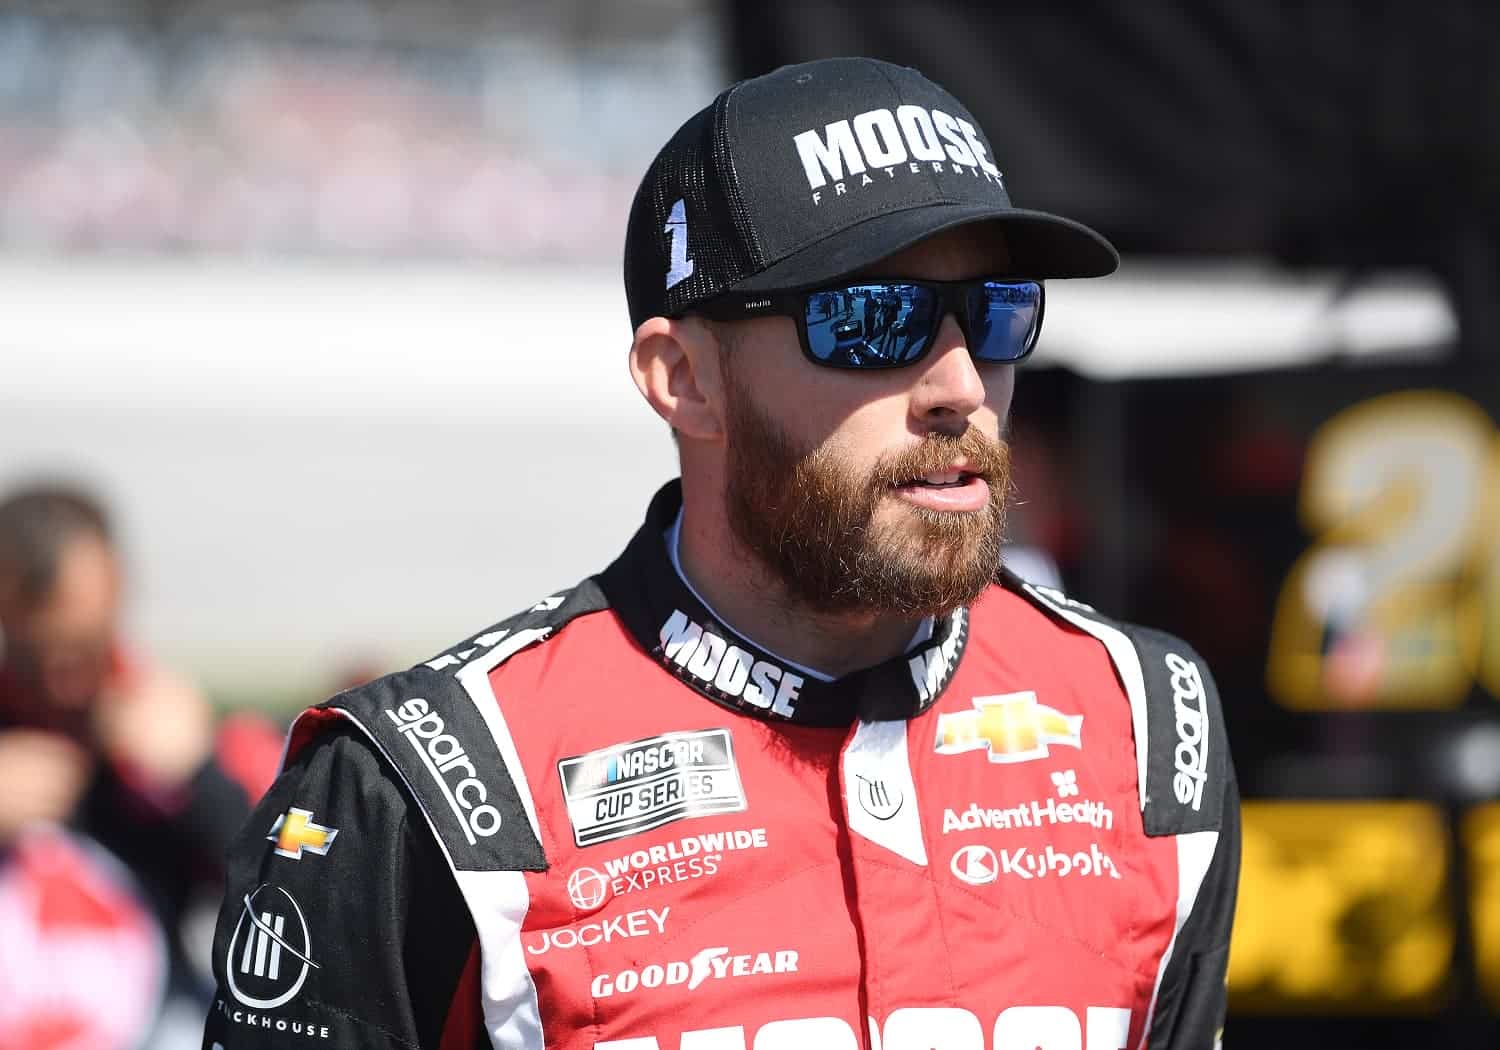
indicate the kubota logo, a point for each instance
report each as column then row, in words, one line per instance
column 1012, row 727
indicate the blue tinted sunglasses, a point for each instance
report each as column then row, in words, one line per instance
column 891, row 322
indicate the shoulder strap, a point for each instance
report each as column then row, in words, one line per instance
column 440, row 727
column 547, row 616
column 429, row 730
column 1182, row 752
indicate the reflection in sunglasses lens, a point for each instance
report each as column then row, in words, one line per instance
column 881, row 324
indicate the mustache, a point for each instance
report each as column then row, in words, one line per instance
column 986, row 457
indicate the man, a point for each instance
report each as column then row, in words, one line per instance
column 100, row 748
column 803, row 767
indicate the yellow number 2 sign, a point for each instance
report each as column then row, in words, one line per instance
column 1397, row 602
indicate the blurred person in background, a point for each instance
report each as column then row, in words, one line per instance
column 801, row 768
column 117, row 795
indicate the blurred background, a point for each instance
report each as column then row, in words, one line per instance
column 320, row 301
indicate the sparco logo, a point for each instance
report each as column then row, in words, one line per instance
column 270, row 951
column 1192, row 731
column 912, row 140
column 640, row 923
column 446, row 758
column 728, row 669
column 710, row 964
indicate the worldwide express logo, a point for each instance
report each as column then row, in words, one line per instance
column 1011, row 727
column 686, row 859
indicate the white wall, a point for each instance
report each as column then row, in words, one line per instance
column 318, row 463
column 315, row 466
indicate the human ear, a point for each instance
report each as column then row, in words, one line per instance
column 675, row 365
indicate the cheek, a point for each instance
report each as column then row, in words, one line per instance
column 999, row 388
column 863, row 415
column 856, row 437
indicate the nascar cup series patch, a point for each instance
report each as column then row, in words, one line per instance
column 628, row 788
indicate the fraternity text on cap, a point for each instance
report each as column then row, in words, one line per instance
column 913, row 137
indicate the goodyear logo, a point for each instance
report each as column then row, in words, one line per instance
column 1011, row 727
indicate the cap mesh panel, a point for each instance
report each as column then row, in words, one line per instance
column 687, row 169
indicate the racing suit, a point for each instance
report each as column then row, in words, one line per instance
column 611, row 822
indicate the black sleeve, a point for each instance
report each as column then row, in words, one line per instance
column 345, row 928
column 1190, row 1010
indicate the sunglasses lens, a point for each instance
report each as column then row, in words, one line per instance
column 1006, row 319
column 873, row 325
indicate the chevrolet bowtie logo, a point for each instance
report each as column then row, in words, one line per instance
column 294, row 831
column 1012, row 728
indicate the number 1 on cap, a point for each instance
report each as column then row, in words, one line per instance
column 676, row 229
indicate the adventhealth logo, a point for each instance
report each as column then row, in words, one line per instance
column 918, row 139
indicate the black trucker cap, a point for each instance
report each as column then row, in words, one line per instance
column 808, row 174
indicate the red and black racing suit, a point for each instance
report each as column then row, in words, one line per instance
column 611, row 822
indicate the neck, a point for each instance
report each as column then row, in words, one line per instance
column 751, row 599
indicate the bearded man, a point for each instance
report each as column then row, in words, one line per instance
column 805, row 767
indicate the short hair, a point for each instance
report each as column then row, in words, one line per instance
column 726, row 332
column 36, row 523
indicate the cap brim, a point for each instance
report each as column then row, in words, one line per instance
column 1040, row 246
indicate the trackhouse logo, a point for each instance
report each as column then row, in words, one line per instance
column 628, row 788
column 879, row 798
column 445, row 758
column 912, row 140
column 270, row 952
column 1191, row 756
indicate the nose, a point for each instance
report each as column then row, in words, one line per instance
column 950, row 389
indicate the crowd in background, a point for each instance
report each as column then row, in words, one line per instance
column 344, row 128
column 119, row 793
